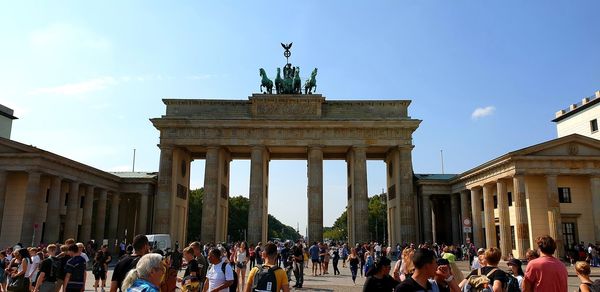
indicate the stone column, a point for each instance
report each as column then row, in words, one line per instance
column 30, row 210
column 554, row 219
column 476, row 219
column 72, row 206
column 53, row 212
column 505, row 236
column 427, row 231
column 408, row 229
column 113, row 220
column 86, row 220
column 315, row 193
column 454, row 206
column 101, row 216
column 360, row 200
column 465, row 212
column 2, row 196
column 521, row 221
column 595, row 192
column 257, row 214
column 210, row 203
column 143, row 216
column 162, row 201
column 488, row 215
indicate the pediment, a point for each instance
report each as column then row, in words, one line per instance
column 573, row 145
column 11, row 147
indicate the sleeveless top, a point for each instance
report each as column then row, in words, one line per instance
column 241, row 256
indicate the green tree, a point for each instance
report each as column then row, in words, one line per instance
column 378, row 217
column 281, row 231
column 195, row 214
column 339, row 230
column 237, row 224
column 377, row 221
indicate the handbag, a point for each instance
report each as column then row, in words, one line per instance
column 19, row 284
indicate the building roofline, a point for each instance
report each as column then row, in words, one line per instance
column 578, row 107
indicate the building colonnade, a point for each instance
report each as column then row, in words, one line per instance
column 41, row 207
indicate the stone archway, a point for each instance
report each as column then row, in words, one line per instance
column 270, row 126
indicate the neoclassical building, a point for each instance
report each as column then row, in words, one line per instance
column 549, row 188
column 47, row 198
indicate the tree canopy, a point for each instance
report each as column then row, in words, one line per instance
column 377, row 222
column 237, row 224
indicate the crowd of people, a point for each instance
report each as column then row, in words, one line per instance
column 269, row 267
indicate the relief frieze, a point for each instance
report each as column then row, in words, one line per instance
column 285, row 133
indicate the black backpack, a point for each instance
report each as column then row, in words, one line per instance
column 264, row 279
column 56, row 267
column 513, row 284
column 233, row 287
column 595, row 286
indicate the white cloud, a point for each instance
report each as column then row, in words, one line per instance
column 481, row 112
column 67, row 36
column 201, row 76
column 78, row 87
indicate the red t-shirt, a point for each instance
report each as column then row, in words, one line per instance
column 547, row 274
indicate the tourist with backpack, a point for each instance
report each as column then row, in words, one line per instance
column 62, row 258
column 516, row 279
column 268, row 277
column 141, row 247
column 489, row 276
column 219, row 276
column 100, row 266
column 582, row 269
column 46, row 280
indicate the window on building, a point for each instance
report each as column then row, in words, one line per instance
column 47, row 195
column 512, row 236
column 66, row 198
column 495, row 202
column 510, row 200
column 594, row 125
column 81, row 202
column 482, row 205
column 564, row 195
column 569, row 233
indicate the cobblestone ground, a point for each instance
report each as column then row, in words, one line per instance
column 343, row 282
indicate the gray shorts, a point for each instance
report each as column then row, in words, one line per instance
column 47, row 287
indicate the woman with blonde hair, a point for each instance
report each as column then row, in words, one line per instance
column 407, row 267
column 582, row 269
column 146, row 276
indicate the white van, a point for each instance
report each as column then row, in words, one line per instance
column 160, row 241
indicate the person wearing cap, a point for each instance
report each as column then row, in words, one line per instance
column 479, row 260
column 516, row 269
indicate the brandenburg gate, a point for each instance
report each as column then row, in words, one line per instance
column 284, row 126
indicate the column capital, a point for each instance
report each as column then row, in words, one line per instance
column 551, row 176
column 360, row 147
column 475, row 188
column 315, row 146
column 213, row 147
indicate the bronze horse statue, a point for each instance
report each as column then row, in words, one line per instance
column 311, row 82
column 265, row 81
column 297, row 82
column 278, row 82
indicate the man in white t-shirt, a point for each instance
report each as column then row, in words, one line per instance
column 215, row 278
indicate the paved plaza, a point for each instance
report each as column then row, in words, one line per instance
column 343, row 282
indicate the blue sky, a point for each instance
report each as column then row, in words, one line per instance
column 485, row 77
